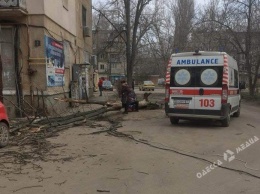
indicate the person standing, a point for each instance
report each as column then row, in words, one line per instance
column 132, row 100
column 100, row 86
column 125, row 90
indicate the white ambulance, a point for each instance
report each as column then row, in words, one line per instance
column 202, row 85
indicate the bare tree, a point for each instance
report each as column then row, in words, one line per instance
column 134, row 31
column 157, row 44
column 183, row 11
column 170, row 29
column 237, row 27
column 137, row 21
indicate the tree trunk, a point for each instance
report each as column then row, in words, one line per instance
column 128, row 40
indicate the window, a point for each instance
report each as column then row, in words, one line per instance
column 84, row 16
column 236, row 79
column 102, row 66
column 196, row 76
column 182, row 77
column 231, row 77
column 114, row 58
column 208, row 77
column 65, row 4
column 113, row 66
column 242, row 56
column 7, row 51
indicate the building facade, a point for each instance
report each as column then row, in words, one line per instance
column 109, row 47
column 46, row 51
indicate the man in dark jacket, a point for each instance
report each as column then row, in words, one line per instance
column 132, row 100
column 100, row 86
column 125, row 90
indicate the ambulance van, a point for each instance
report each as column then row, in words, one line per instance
column 202, row 85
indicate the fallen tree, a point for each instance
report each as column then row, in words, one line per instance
column 113, row 104
column 53, row 124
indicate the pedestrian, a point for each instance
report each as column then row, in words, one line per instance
column 100, row 86
column 125, row 90
column 132, row 100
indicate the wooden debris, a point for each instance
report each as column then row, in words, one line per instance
column 114, row 105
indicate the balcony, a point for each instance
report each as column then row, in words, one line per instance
column 10, row 9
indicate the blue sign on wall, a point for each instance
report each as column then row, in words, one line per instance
column 54, row 53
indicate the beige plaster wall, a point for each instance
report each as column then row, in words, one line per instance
column 35, row 6
column 55, row 10
column 45, row 19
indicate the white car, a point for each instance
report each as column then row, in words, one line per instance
column 107, row 85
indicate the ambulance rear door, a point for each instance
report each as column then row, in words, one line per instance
column 208, row 78
column 182, row 87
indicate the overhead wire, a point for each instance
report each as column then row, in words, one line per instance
column 113, row 131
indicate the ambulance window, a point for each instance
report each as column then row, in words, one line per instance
column 208, row 77
column 182, row 77
column 231, row 77
column 236, row 78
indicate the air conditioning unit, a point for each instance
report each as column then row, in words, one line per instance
column 86, row 31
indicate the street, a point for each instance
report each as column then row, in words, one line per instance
column 147, row 155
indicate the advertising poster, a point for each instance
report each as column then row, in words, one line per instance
column 54, row 54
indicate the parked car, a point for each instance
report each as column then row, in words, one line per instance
column 146, row 85
column 107, row 85
column 161, row 81
column 4, row 126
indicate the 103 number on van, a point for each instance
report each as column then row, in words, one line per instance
column 207, row 102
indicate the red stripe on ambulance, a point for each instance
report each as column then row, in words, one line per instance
column 194, row 92
column 225, row 70
column 168, row 70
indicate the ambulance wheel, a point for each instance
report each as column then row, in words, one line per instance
column 226, row 121
column 237, row 114
column 174, row 120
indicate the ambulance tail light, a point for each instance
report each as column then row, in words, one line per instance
column 167, row 92
column 224, row 96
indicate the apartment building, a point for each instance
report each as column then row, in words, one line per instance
column 46, row 50
column 109, row 47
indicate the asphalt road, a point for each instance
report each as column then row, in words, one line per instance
column 155, row 157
